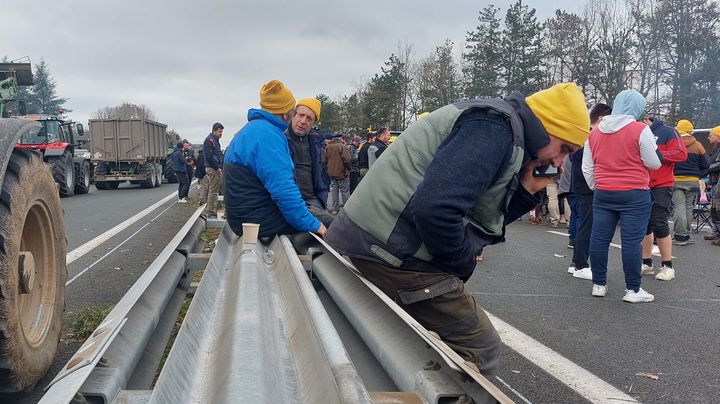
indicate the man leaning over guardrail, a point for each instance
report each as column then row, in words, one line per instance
column 443, row 191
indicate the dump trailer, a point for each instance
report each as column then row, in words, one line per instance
column 286, row 320
column 127, row 150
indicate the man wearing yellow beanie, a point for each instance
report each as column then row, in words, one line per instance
column 258, row 171
column 444, row 190
column 306, row 146
column 714, row 171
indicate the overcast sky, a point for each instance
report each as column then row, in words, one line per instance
column 197, row 62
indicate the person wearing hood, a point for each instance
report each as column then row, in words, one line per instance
column 180, row 167
column 662, row 180
column 617, row 156
column 259, row 173
column 687, row 183
column 714, row 172
column 446, row 189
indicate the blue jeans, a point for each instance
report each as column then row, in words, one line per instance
column 632, row 210
column 584, row 229
column 574, row 222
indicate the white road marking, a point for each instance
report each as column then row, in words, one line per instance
column 655, row 249
column 81, row 273
column 94, row 243
column 566, row 371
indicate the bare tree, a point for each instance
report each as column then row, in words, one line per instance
column 125, row 110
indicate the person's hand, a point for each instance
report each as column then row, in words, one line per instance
column 531, row 183
column 321, row 230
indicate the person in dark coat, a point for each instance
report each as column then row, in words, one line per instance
column 180, row 167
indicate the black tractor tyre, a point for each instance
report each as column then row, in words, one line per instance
column 101, row 169
column 113, row 184
column 63, row 170
column 148, row 170
column 82, row 177
column 32, row 271
column 170, row 173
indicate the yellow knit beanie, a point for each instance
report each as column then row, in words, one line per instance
column 715, row 131
column 313, row 104
column 275, row 98
column 562, row 111
column 684, row 127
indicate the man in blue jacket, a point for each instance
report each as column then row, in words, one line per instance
column 258, row 171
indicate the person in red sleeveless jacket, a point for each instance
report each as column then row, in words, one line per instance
column 617, row 156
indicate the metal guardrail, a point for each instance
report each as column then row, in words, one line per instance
column 257, row 331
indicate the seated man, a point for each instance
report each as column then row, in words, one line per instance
column 306, row 147
column 258, row 171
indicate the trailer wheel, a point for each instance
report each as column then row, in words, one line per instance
column 170, row 173
column 113, row 184
column 82, row 177
column 148, row 170
column 101, row 169
column 63, row 170
column 32, row 271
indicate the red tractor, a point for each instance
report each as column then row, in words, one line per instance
column 56, row 140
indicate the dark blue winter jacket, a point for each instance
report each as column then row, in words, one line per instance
column 212, row 154
column 259, row 179
column 178, row 159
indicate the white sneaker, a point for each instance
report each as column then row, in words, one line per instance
column 585, row 273
column 665, row 274
column 182, row 201
column 647, row 270
column 641, row 296
column 599, row 290
column 571, row 269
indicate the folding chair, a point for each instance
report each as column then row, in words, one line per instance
column 701, row 215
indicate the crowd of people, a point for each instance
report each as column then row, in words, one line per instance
column 413, row 217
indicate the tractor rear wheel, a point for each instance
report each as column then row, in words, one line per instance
column 82, row 177
column 148, row 170
column 170, row 173
column 32, row 271
column 63, row 170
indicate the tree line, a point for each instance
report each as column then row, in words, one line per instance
column 668, row 50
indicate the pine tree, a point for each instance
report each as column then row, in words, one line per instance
column 43, row 98
column 482, row 56
column 522, row 50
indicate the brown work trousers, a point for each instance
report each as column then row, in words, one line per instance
column 214, row 178
column 441, row 303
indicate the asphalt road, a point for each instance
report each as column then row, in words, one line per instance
column 522, row 281
column 109, row 278
column 525, row 283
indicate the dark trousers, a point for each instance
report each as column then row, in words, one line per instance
column 451, row 311
column 584, row 221
column 183, row 184
column 354, row 180
column 632, row 210
column 574, row 215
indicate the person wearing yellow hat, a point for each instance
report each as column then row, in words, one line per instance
column 306, row 146
column 259, row 172
column 714, row 172
column 444, row 190
column 616, row 160
column 687, row 183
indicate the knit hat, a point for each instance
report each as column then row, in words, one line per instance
column 275, row 98
column 359, row 139
column 313, row 104
column 562, row 111
column 629, row 102
column 715, row 131
column 684, row 127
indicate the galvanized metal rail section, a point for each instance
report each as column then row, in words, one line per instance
column 280, row 323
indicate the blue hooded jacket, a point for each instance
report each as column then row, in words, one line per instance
column 178, row 159
column 259, row 179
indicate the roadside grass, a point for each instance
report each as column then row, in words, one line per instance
column 87, row 320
